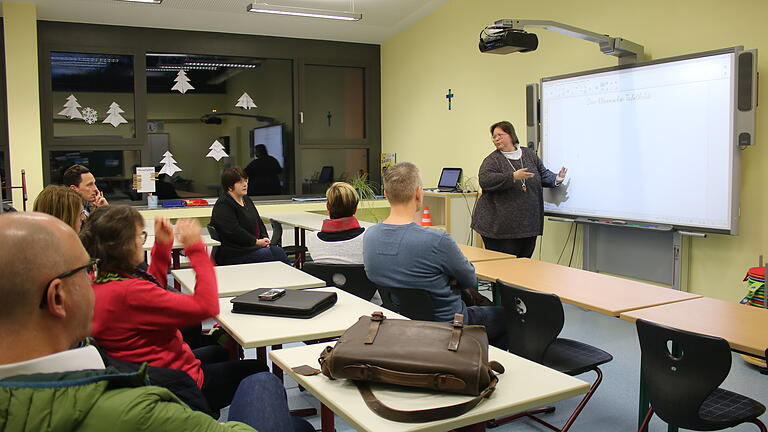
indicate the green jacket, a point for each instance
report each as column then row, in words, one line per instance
column 97, row 400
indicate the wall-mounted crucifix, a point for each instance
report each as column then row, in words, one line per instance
column 449, row 96
column 329, row 118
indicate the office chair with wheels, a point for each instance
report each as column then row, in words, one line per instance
column 349, row 277
column 683, row 372
column 415, row 304
column 214, row 235
column 296, row 251
column 534, row 320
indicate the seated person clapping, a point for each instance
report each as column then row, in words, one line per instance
column 137, row 317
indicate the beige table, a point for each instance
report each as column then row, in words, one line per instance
column 601, row 293
column 744, row 327
column 252, row 331
column 177, row 245
column 239, row 279
column 523, row 386
column 476, row 254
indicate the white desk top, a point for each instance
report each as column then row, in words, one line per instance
column 239, row 279
column 305, row 220
column 207, row 240
column 252, row 331
column 524, row 385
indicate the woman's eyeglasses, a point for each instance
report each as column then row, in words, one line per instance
column 143, row 236
column 92, row 268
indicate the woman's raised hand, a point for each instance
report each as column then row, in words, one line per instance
column 522, row 174
column 189, row 231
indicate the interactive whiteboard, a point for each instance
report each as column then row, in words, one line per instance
column 652, row 143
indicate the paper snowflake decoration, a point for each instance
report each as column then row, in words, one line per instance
column 90, row 115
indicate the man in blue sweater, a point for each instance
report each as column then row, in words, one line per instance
column 399, row 253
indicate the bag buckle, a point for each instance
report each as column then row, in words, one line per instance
column 458, row 320
column 378, row 316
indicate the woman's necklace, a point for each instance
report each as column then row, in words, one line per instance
column 522, row 187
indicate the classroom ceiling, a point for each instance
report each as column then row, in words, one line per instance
column 381, row 18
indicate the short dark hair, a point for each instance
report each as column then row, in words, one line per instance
column 508, row 128
column 73, row 175
column 109, row 234
column 230, row 176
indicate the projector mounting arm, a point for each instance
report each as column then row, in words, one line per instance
column 627, row 51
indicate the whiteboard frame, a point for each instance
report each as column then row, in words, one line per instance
column 735, row 180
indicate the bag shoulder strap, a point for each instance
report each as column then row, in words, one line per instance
column 425, row 415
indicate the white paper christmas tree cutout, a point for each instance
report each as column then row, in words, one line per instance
column 90, row 115
column 217, row 151
column 245, row 102
column 114, row 118
column 71, row 108
column 182, row 82
column 169, row 164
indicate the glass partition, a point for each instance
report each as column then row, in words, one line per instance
column 113, row 169
column 199, row 106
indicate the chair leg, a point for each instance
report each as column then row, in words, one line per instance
column 759, row 424
column 646, row 420
column 571, row 419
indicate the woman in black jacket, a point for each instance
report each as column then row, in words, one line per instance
column 243, row 235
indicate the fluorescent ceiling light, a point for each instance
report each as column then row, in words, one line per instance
column 143, row 1
column 304, row 12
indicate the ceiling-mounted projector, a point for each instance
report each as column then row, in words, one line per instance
column 507, row 40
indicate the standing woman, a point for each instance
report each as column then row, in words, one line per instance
column 243, row 235
column 510, row 212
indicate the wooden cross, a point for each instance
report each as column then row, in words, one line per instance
column 449, row 96
column 329, row 118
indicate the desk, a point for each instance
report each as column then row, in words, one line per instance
column 742, row 326
column 252, row 331
column 476, row 254
column 605, row 294
column 523, row 386
column 239, row 279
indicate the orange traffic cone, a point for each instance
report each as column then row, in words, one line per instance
column 426, row 219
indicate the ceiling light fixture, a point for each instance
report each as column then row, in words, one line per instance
column 143, row 1
column 304, row 12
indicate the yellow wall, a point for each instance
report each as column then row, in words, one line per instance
column 20, row 37
column 439, row 52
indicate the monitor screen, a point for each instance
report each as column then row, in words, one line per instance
column 449, row 178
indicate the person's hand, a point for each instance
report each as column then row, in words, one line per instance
column 522, row 174
column 561, row 175
column 163, row 231
column 100, row 200
column 188, row 231
column 263, row 242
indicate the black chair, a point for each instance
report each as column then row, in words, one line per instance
column 214, row 235
column 415, row 304
column 534, row 320
column 298, row 252
column 683, row 372
column 349, row 277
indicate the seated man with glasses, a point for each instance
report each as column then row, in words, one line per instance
column 49, row 380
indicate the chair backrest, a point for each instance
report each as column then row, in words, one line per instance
column 214, row 235
column 534, row 319
column 349, row 277
column 277, row 233
column 413, row 303
column 681, row 369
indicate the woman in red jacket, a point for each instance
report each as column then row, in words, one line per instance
column 137, row 317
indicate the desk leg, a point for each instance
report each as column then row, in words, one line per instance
column 326, row 419
column 275, row 369
column 176, row 264
column 297, row 261
column 261, row 354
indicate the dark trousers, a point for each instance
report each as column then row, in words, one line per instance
column 492, row 317
column 519, row 247
column 266, row 254
column 221, row 377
